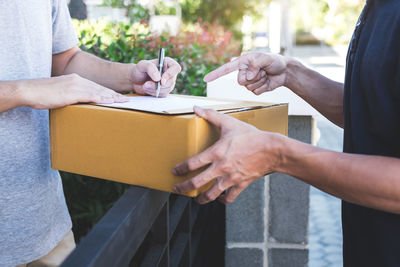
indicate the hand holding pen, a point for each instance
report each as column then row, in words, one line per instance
column 147, row 74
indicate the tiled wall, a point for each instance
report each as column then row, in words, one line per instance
column 267, row 225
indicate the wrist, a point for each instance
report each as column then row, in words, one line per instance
column 274, row 149
column 13, row 95
column 131, row 71
column 21, row 95
column 293, row 68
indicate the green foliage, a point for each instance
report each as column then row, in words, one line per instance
column 198, row 48
column 226, row 12
column 162, row 9
column 330, row 21
column 135, row 11
column 88, row 199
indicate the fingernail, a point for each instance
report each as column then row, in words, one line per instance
column 174, row 171
column 176, row 189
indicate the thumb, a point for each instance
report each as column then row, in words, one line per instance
column 210, row 115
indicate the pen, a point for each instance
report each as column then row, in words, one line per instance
column 161, row 56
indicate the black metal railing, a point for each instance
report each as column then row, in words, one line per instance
column 152, row 228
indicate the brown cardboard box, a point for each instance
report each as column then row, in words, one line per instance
column 141, row 148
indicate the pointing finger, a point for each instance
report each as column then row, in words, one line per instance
column 170, row 73
column 223, row 70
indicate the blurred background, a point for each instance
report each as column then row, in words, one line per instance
column 202, row 35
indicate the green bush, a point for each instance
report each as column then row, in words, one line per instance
column 198, row 48
column 134, row 10
column 88, row 199
column 330, row 21
column 224, row 12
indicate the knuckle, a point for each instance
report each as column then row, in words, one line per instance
column 235, row 177
column 74, row 77
column 192, row 184
column 144, row 62
column 219, row 183
column 226, row 167
column 209, row 196
column 217, row 153
column 241, row 81
column 250, row 87
column 190, row 165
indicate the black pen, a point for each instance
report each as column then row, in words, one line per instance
column 161, row 56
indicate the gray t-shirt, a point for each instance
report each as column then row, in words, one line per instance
column 33, row 214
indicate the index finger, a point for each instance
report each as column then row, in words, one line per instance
column 194, row 163
column 223, row 70
column 170, row 73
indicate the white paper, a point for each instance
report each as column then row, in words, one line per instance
column 163, row 105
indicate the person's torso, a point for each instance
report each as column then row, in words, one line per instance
column 372, row 127
column 30, row 191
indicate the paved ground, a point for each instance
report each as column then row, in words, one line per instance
column 325, row 240
column 325, row 232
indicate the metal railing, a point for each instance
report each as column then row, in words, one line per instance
column 152, row 228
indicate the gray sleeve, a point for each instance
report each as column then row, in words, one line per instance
column 64, row 36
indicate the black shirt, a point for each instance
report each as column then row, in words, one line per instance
column 372, row 127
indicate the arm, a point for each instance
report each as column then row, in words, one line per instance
column 81, row 77
column 323, row 94
column 244, row 153
column 54, row 92
column 141, row 78
column 265, row 72
column 371, row 181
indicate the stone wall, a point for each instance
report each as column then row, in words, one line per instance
column 267, row 225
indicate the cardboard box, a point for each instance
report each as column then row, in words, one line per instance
column 142, row 148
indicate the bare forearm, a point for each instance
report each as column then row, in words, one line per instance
column 112, row 75
column 320, row 92
column 372, row 181
column 10, row 96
